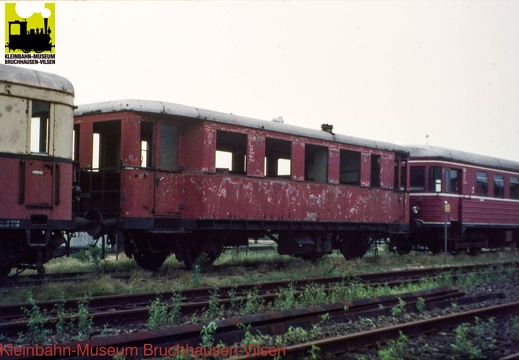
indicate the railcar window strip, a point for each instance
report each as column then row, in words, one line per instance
column 464, row 196
column 459, row 164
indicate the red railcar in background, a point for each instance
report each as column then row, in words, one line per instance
column 36, row 115
column 480, row 194
column 180, row 180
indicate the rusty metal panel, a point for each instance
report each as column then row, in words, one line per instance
column 169, row 193
column 256, row 155
column 197, row 148
column 232, row 197
column 130, row 142
column 86, row 146
column 136, row 193
column 334, row 156
column 365, row 169
column 387, row 170
column 298, row 161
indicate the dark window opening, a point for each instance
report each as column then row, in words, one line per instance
column 100, row 185
column 400, row 180
column 40, row 127
column 375, row 170
column 349, row 167
column 481, row 183
column 278, row 158
column 514, row 187
column 453, row 181
column 499, row 186
column 75, row 143
column 168, row 147
column 146, row 144
column 435, row 179
column 316, row 163
column 231, row 152
column 417, row 180
column 107, row 145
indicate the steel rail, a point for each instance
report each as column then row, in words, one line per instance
column 276, row 322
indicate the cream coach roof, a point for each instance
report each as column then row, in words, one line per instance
column 160, row 107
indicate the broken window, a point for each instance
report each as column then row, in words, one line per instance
column 146, row 144
column 231, row 152
column 106, row 151
column 277, row 157
column 40, row 115
column 168, row 148
column 349, row 167
column 375, row 170
column 316, row 163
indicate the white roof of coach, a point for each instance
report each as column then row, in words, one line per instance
column 434, row 152
column 160, row 107
column 39, row 79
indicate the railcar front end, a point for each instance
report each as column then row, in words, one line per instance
column 475, row 197
column 36, row 161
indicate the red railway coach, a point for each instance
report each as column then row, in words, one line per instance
column 152, row 171
column 477, row 196
column 36, row 120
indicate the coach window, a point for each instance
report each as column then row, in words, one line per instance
column 231, row 152
column 106, row 150
column 168, row 147
column 316, row 163
column 75, row 143
column 435, row 179
column 514, row 187
column 375, row 170
column 277, row 158
column 499, row 186
column 349, row 167
column 40, row 115
column 417, row 181
column 481, row 183
column 146, row 144
column 451, row 181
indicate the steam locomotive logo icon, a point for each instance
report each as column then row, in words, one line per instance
column 29, row 27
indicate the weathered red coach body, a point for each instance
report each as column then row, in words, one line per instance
column 481, row 193
column 162, row 158
column 36, row 159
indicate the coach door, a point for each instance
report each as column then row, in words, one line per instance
column 452, row 187
column 37, row 173
column 168, row 179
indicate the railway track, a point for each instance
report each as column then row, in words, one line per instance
column 122, row 309
column 135, row 306
column 231, row 332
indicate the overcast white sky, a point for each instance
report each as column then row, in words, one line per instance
column 395, row 71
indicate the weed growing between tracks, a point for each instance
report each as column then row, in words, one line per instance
column 231, row 268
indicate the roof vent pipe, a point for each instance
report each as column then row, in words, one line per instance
column 279, row 119
column 328, row 128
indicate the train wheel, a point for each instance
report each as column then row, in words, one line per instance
column 203, row 260
column 354, row 247
column 203, row 249
column 150, row 261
